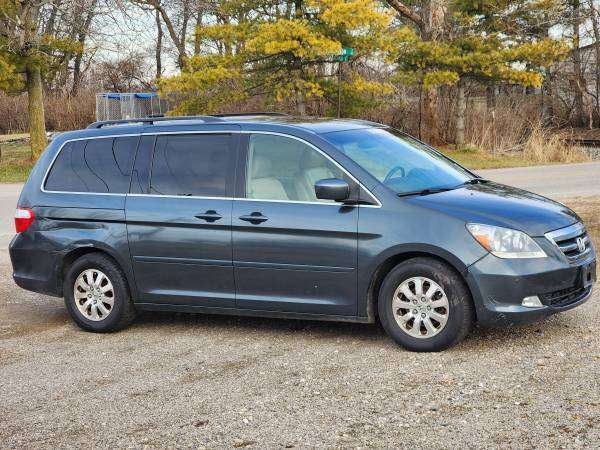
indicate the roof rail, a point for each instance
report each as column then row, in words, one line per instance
column 258, row 113
column 153, row 120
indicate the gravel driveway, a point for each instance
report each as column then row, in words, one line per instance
column 177, row 380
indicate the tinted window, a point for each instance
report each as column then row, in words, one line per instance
column 199, row 165
column 95, row 165
column 281, row 168
column 140, row 176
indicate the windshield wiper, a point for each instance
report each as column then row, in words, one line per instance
column 442, row 189
column 476, row 181
column 424, row 191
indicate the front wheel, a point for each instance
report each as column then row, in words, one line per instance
column 425, row 306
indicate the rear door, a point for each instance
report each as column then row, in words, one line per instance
column 179, row 219
column 292, row 252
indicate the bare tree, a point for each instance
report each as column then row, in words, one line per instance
column 83, row 28
column 126, row 74
column 176, row 20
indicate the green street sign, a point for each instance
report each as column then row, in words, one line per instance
column 347, row 52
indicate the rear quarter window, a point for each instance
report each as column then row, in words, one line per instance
column 93, row 165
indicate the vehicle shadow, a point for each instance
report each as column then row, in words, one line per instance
column 266, row 325
column 480, row 338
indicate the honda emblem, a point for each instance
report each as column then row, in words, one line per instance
column 581, row 244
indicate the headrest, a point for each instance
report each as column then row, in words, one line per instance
column 261, row 167
column 311, row 159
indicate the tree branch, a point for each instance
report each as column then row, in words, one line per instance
column 405, row 11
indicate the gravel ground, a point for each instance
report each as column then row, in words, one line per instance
column 191, row 381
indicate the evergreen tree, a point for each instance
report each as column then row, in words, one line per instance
column 281, row 51
column 490, row 41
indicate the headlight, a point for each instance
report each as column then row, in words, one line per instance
column 504, row 242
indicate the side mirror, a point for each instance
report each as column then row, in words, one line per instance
column 332, row 189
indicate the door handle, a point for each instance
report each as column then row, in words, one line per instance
column 210, row 216
column 254, row 218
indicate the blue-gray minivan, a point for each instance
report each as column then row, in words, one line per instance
column 291, row 217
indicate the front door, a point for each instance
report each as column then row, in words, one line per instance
column 179, row 226
column 291, row 251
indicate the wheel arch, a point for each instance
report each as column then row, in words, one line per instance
column 391, row 258
column 79, row 250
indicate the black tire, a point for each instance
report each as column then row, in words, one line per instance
column 460, row 315
column 122, row 312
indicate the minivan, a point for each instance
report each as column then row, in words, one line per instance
column 290, row 217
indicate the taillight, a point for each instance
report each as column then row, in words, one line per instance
column 24, row 217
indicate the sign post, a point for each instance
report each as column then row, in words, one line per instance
column 347, row 52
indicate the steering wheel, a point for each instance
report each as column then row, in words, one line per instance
column 392, row 172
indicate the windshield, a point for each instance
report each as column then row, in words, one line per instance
column 398, row 161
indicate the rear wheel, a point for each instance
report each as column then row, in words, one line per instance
column 96, row 294
column 424, row 305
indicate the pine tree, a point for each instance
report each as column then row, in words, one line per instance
column 281, row 51
column 490, row 41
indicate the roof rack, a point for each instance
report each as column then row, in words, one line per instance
column 258, row 113
column 153, row 120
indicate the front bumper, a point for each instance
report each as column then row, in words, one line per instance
column 499, row 286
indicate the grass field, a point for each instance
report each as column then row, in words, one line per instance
column 478, row 159
column 15, row 162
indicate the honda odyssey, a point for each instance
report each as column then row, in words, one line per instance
column 278, row 216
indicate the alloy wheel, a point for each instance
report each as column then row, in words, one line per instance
column 94, row 295
column 420, row 307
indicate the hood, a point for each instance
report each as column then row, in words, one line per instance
column 500, row 205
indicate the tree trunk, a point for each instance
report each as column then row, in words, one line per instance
column 197, row 40
column 49, row 27
column 461, row 108
column 577, row 70
column 179, row 44
column 183, row 37
column 37, row 123
column 81, row 38
column 158, row 49
column 490, row 97
column 596, row 29
column 430, row 121
column 548, row 92
column 301, row 101
column 433, row 16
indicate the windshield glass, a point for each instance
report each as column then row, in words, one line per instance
column 398, row 161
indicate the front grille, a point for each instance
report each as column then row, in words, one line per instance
column 564, row 297
column 573, row 241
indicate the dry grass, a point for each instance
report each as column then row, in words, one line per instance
column 63, row 112
column 544, row 147
column 506, row 127
column 588, row 209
